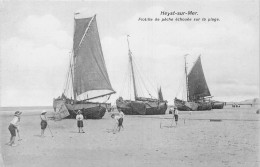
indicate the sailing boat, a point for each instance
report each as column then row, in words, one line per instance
column 198, row 94
column 87, row 77
column 141, row 105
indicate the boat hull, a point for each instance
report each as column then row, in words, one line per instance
column 66, row 109
column 185, row 106
column 191, row 106
column 129, row 107
column 204, row 106
column 217, row 105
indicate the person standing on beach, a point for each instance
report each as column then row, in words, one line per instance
column 80, row 119
column 121, row 119
column 176, row 115
column 13, row 127
column 118, row 123
column 43, row 122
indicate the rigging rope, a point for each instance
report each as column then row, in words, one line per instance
column 67, row 75
column 141, row 77
column 147, row 78
column 130, row 82
column 142, row 81
column 122, row 90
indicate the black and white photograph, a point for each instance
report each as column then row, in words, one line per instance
column 129, row 83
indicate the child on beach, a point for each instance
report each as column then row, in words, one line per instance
column 43, row 122
column 121, row 119
column 13, row 127
column 176, row 115
column 171, row 111
column 79, row 119
column 118, row 121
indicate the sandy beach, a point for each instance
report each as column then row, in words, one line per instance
column 145, row 141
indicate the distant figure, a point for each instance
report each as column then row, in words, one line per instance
column 121, row 119
column 171, row 110
column 80, row 119
column 43, row 122
column 13, row 127
column 190, row 112
column 176, row 115
column 257, row 111
column 118, row 123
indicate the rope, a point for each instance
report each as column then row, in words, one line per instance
column 122, row 90
column 142, row 81
column 147, row 78
column 67, row 74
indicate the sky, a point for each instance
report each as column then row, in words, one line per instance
column 36, row 38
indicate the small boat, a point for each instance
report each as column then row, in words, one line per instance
column 198, row 94
column 141, row 105
column 87, row 78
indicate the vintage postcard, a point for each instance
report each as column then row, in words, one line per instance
column 129, row 83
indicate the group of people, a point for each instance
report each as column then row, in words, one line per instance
column 14, row 124
column 117, row 117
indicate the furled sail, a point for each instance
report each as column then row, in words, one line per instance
column 90, row 71
column 197, row 85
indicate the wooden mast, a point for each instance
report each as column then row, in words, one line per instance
column 186, row 77
column 133, row 75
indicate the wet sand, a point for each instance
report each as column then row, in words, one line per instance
column 145, row 141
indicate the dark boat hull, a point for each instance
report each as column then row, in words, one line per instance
column 191, row 106
column 129, row 107
column 66, row 109
column 204, row 106
column 217, row 105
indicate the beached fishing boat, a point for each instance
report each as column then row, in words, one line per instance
column 87, row 82
column 217, row 104
column 141, row 105
column 198, row 94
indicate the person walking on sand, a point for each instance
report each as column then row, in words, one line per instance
column 43, row 122
column 176, row 115
column 13, row 127
column 80, row 119
column 121, row 119
column 118, row 123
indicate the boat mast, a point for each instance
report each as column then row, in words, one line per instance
column 133, row 75
column 186, row 77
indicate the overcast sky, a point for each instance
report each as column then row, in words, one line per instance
column 36, row 38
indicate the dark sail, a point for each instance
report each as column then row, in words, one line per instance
column 87, row 77
column 160, row 96
column 79, row 31
column 197, row 85
column 90, row 71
